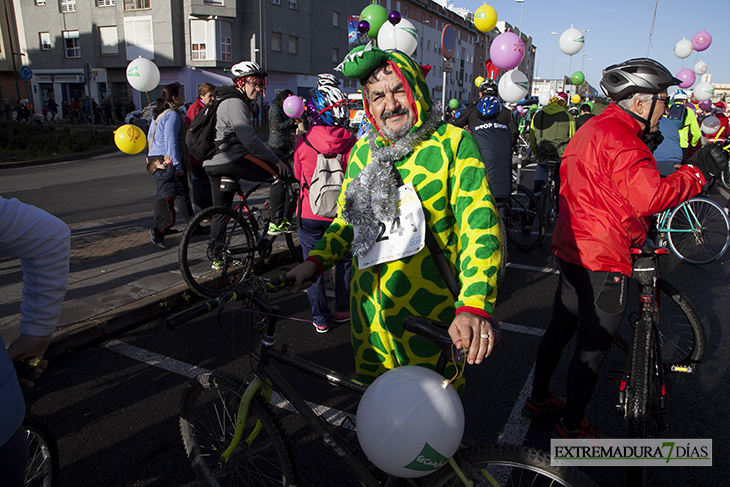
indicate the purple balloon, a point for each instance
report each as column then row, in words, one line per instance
column 706, row 105
column 687, row 77
column 363, row 27
column 701, row 40
column 507, row 51
column 394, row 17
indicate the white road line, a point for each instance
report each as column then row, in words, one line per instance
column 515, row 430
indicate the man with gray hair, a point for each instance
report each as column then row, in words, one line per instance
column 610, row 189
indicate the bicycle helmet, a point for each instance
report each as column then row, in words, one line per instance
column 327, row 106
column 574, row 111
column 489, row 106
column 488, row 88
column 246, row 68
column 679, row 95
column 640, row 75
column 327, row 79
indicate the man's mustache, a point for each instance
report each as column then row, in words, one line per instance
column 398, row 111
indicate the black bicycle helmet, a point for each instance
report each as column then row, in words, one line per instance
column 488, row 88
column 640, row 75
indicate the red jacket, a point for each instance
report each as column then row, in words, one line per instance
column 189, row 116
column 609, row 185
column 327, row 140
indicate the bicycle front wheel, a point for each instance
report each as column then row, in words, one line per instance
column 42, row 467
column 698, row 231
column 507, row 465
column 681, row 331
column 523, row 220
column 208, row 413
column 215, row 258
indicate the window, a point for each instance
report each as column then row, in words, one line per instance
column 276, row 2
column 105, row 3
column 40, row 2
column 397, row 6
column 276, row 41
column 406, row 12
column 423, row 18
column 68, row 6
column 293, row 4
column 198, row 39
column 335, row 19
column 71, row 43
column 45, row 38
column 136, row 4
column 387, row 5
column 225, row 37
column 138, row 37
column 335, row 55
column 293, row 41
column 109, row 40
column 428, row 45
column 214, row 2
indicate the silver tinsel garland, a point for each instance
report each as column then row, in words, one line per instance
column 371, row 196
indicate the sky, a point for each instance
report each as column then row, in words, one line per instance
column 619, row 30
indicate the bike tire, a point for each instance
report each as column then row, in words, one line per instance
column 523, row 221
column 42, row 467
column 725, row 178
column 508, row 465
column 547, row 204
column 207, row 422
column 198, row 250
column 641, row 381
column 698, row 245
column 292, row 216
column 681, row 330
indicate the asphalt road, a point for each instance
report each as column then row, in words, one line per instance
column 113, row 406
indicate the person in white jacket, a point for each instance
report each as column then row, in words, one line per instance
column 42, row 242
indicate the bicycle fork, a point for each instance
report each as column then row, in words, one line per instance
column 242, row 414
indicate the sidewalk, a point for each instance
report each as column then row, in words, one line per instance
column 118, row 279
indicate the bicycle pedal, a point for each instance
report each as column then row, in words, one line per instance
column 682, row 369
column 615, row 375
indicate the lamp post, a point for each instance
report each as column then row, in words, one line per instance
column 583, row 60
column 552, row 67
column 522, row 10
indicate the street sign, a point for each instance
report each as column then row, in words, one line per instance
column 87, row 72
column 25, row 73
column 448, row 41
column 448, row 66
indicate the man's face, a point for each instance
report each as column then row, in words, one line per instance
column 254, row 86
column 208, row 98
column 389, row 105
column 644, row 107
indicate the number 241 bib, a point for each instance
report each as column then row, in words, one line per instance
column 402, row 237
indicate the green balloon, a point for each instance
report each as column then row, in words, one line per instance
column 376, row 16
column 578, row 78
column 454, row 103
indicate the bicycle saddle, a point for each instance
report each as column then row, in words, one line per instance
column 649, row 249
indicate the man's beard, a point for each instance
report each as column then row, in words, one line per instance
column 400, row 132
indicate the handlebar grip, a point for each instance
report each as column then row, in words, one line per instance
column 191, row 313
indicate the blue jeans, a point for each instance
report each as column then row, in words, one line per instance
column 310, row 231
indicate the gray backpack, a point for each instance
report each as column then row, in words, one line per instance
column 326, row 183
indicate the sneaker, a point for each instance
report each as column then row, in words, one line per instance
column 532, row 408
column 157, row 240
column 321, row 328
column 585, row 430
column 283, row 227
column 342, row 316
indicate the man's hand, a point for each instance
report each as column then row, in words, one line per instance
column 29, row 347
column 302, row 273
column 282, row 168
column 711, row 160
column 475, row 333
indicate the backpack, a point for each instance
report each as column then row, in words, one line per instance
column 200, row 137
column 677, row 114
column 326, row 183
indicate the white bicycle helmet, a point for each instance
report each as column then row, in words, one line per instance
column 246, row 68
column 327, row 79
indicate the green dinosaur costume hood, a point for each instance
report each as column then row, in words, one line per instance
column 363, row 60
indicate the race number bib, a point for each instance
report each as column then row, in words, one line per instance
column 403, row 236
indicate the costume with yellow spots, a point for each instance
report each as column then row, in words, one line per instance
column 446, row 170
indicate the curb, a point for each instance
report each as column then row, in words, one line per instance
column 72, row 157
column 142, row 311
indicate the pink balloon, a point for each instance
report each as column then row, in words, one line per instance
column 687, row 77
column 293, row 106
column 701, row 40
column 706, row 105
column 507, row 51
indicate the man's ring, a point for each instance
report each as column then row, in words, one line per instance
column 484, row 335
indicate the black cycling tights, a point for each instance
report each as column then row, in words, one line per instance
column 593, row 305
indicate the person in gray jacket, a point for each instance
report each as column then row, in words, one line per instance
column 240, row 152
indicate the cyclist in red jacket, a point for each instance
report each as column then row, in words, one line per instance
column 610, row 188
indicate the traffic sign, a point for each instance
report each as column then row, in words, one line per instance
column 448, row 41
column 448, row 66
column 25, row 73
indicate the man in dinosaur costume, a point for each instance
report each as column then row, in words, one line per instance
column 410, row 151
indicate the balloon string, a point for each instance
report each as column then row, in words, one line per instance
column 651, row 30
column 458, row 373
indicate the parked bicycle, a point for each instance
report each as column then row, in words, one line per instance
column 233, row 437
column 211, row 264
column 523, row 221
column 548, row 198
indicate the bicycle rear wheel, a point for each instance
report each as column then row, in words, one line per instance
column 42, row 467
column 208, row 412
column 292, row 200
column 507, row 465
column 523, row 220
column 681, row 331
column 211, row 264
column 725, row 178
column 641, row 382
column 698, row 231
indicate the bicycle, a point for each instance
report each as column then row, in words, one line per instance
column 523, row 221
column 549, row 196
column 211, row 264
column 697, row 230
column 232, row 436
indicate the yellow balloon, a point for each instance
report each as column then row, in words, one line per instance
column 485, row 18
column 478, row 81
column 575, row 99
column 130, row 139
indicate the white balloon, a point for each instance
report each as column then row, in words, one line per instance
column 513, row 86
column 408, row 423
column 700, row 67
column 571, row 41
column 143, row 74
column 711, row 125
column 704, row 91
column 544, row 98
column 683, row 49
column 403, row 36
